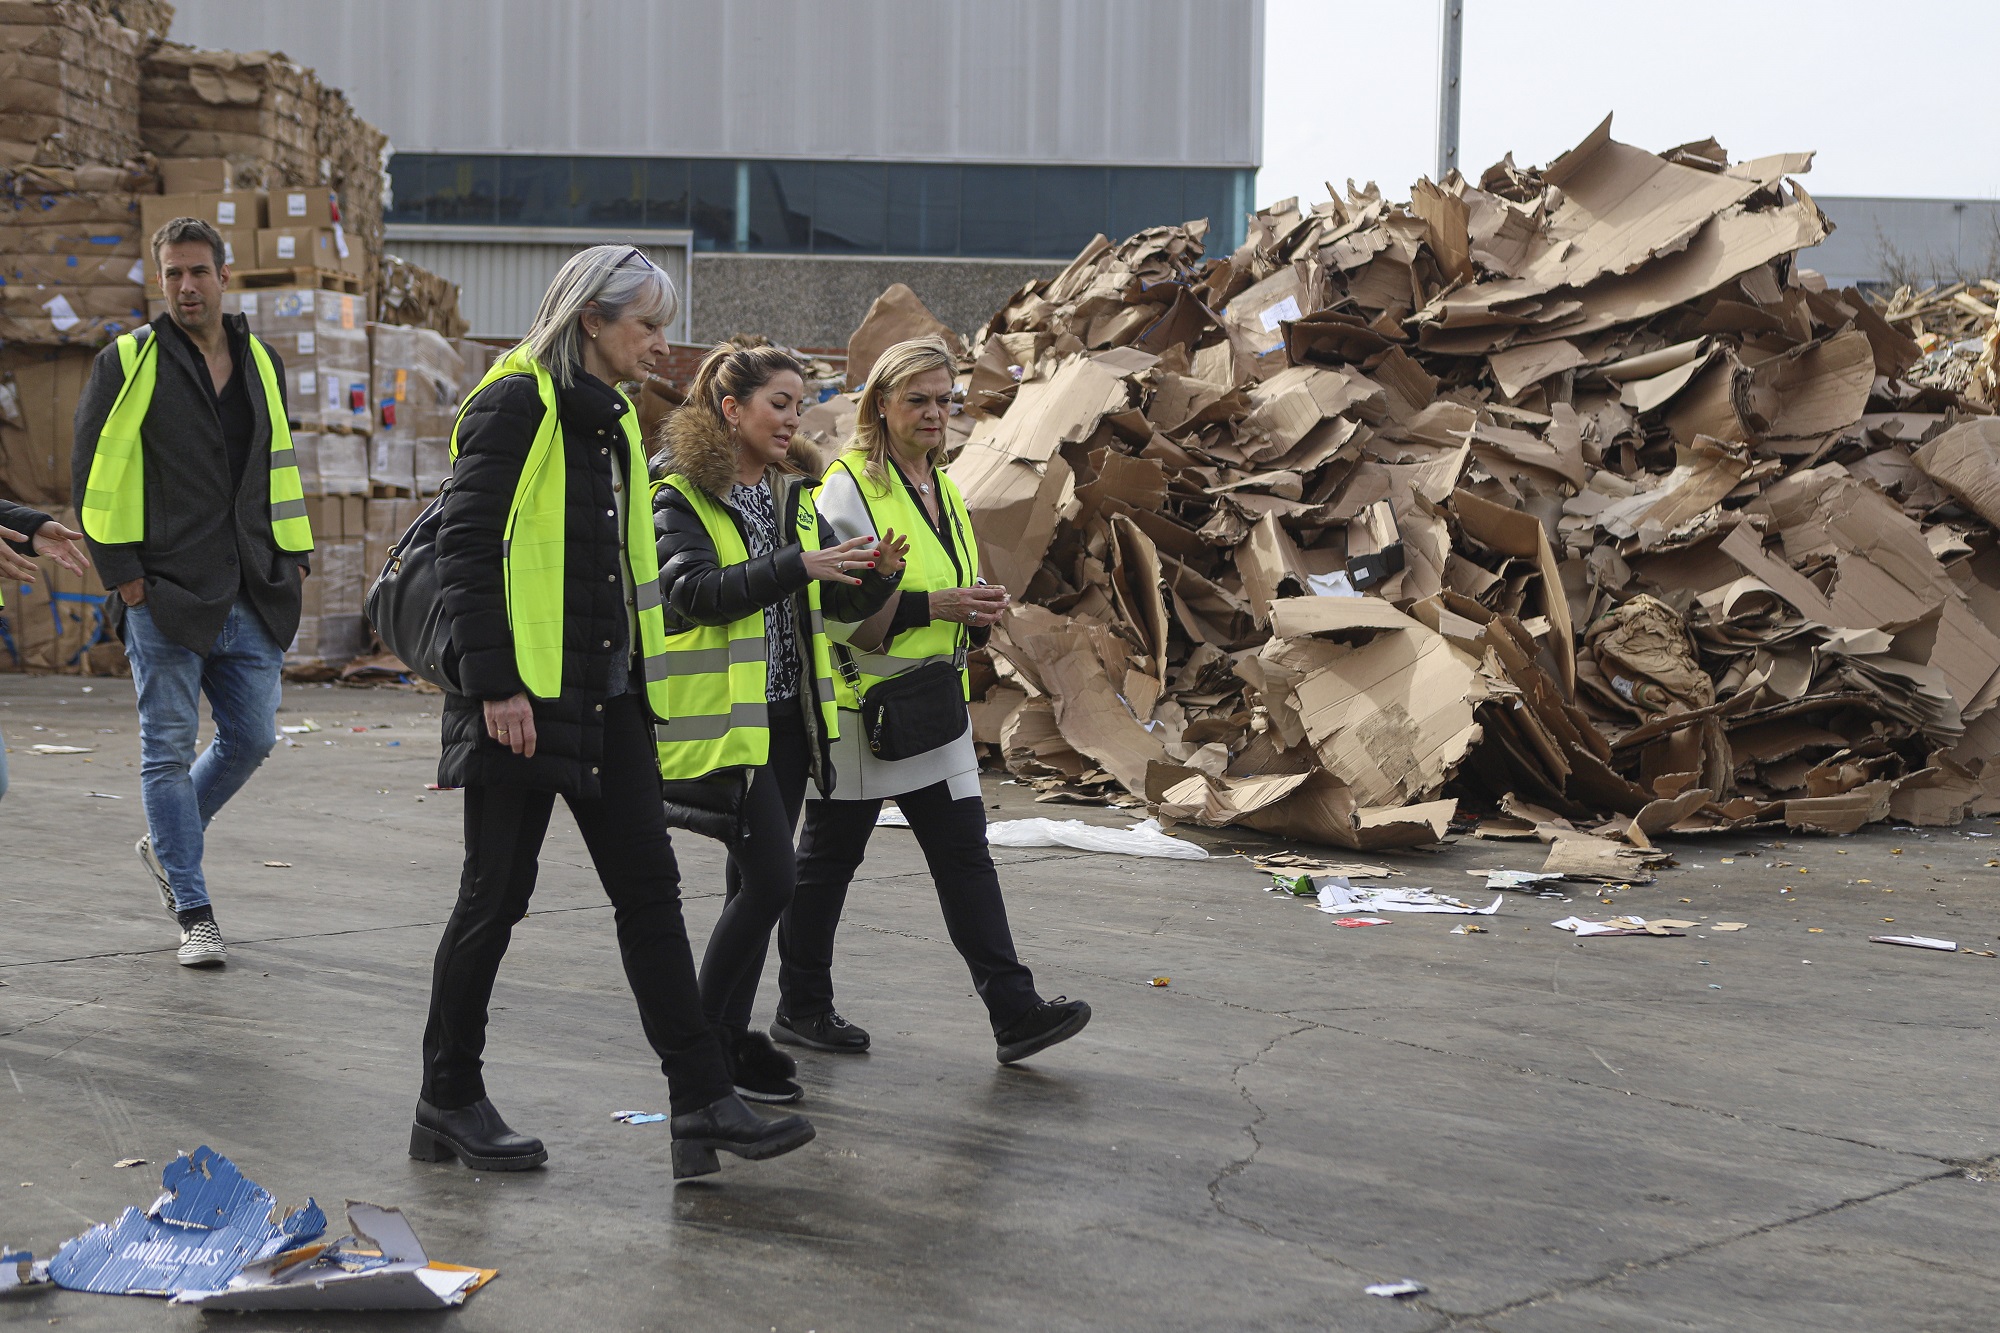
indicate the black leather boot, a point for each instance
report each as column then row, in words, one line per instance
column 729, row 1125
column 476, row 1135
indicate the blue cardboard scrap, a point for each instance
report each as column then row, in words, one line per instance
column 211, row 1221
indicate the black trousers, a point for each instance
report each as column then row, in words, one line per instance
column 626, row 832
column 953, row 837
column 762, row 872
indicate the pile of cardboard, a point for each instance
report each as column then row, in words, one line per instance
column 411, row 294
column 268, row 124
column 69, row 84
column 1957, row 328
column 1565, row 497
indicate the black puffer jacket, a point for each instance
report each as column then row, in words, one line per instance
column 698, row 590
column 493, row 441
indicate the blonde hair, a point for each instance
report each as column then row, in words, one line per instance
column 897, row 366
column 604, row 278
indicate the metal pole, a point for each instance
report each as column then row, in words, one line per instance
column 1451, row 46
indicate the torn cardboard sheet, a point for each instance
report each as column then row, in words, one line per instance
column 381, row 1266
column 208, row 1224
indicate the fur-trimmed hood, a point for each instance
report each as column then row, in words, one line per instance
column 698, row 446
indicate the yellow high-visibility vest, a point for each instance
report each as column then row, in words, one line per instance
column 718, row 713
column 532, row 547
column 929, row 567
column 114, row 497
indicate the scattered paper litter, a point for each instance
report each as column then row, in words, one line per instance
column 1727, row 925
column 62, row 749
column 279, row 865
column 19, row 1269
column 1409, row 1286
column 308, row 725
column 892, row 816
column 1916, row 942
column 1338, row 896
column 1469, row 929
column 1524, row 880
column 638, row 1117
column 1142, row 839
column 381, row 1266
column 1618, row 925
column 104, row 796
column 1350, row 922
column 124, row 1162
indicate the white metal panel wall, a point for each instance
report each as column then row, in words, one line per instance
column 500, row 283
column 1134, row 82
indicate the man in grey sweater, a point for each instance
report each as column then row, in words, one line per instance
column 187, row 490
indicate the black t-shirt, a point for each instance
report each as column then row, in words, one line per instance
column 232, row 405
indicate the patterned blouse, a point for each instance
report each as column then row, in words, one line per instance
column 760, row 515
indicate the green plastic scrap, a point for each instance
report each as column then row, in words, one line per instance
column 1300, row 885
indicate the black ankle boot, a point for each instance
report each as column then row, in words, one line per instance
column 476, row 1135
column 731, row 1126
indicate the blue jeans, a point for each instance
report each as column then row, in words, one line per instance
column 241, row 678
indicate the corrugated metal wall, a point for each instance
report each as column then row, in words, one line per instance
column 1136, row 82
column 501, row 283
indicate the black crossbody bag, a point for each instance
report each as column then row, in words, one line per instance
column 917, row 711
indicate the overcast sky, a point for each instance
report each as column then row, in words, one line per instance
column 1897, row 98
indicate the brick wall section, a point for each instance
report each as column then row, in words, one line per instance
column 804, row 301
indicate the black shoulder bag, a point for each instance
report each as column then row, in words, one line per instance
column 404, row 604
column 912, row 713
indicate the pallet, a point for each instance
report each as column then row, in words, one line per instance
column 320, row 279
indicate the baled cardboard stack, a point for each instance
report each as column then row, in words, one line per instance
column 412, row 294
column 69, row 84
column 1566, row 499
column 418, row 378
column 71, row 256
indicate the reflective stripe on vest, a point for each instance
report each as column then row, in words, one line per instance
column 532, row 549
column 114, row 497
column 718, row 675
column 929, row 567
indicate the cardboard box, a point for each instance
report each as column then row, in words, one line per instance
column 47, row 383
column 196, row 175
column 322, row 338
column 305, row 454
column 302, row 207
column 343, row 463
column 296, row 247
column 218, row 209
column 337, row 569
column 324, row 513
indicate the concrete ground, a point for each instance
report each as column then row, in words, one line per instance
column 1786, row 1127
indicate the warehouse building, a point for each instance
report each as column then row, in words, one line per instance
column 785, row 160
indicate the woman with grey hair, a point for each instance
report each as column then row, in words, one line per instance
column 550, row 585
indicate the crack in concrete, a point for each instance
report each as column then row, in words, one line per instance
column 1237, row 1166
column 67, row 1009
column 1632, row 1267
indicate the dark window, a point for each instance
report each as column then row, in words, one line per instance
column 462, row 189
column 667, row 192
column 406, row 188
column 850, row 207
column 607, row 192
column 1069, row 209
column 781, row 205
column 534, row 191
column 1212, row 195
column 923, row 210
column 1143, row 197
column 712, row 202
column 998, row 211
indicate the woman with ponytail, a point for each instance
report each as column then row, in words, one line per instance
column 746, row 578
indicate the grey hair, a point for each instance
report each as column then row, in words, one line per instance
column 616, row 280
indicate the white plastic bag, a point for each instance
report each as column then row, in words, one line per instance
column 1140, row 840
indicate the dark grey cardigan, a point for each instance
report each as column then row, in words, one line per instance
column 202, row 545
